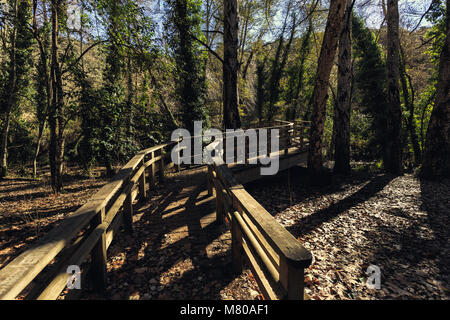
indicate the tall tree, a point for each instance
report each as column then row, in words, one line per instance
column 230, row 65
column 55, row 113
column 344, row 91
column 393, row 149
column 436, row 160
column 185, row 29
column 296, row 74
column 370, row 81
column 17, row 44
column 112, row 91
column 320, row 94
column 279, row 63
column 43, row 87
column 408, row 98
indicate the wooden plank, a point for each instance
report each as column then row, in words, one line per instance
column 263, row 282
column 15, row 276
column 252, row 173
column 128, row 213
column 271, row 254
column 111, row 222
column 113, row 229
column 256, row 246
column 98, row 258
column 282, row 241
column 236, row 246
column 142, row 185
column 60, row 281
column 292, row 279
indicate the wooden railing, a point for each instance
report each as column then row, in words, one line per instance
column 85, row 235
column 276, row 258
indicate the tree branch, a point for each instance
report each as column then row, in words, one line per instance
column 207, row 47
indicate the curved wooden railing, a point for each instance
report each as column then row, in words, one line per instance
column 276, row 258
column 84, row 234
column 83, row 237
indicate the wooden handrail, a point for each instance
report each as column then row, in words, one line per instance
column 267, row 245
column 89, row 230
column 100, row 210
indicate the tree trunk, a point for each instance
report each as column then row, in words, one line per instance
column 320, row 94
column 393, row 148
column 230, row 66
column 436, row 160
column 56, row 150
column 409, row 104
column 9, row 102
column 38, row 146
column 4, row 143
column 343, row 105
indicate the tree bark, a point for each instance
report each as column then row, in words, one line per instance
column 55, row 120
column 343, row 105
column 230, row 66
column 9, row 102
column 38, row 146
column 320, row 94
column 436, row 160
column 408, row 98
column 393, row 148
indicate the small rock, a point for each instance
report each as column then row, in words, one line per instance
column 254, row 294
column 140, row 270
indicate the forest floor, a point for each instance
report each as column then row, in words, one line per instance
column 29, row 208
column 399, row 224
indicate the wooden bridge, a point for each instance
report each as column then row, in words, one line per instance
column 276, row 258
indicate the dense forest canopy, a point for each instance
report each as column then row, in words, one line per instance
column 91, row 82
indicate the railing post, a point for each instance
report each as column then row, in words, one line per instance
column 209, row 181
column 247, row 149
column 161, row 165
column 179, row 157
column 128, row 213
column 99, row 258
column 152, row 170
column 292, row 279
column 220, row 212
column 142, row 182
column 301, row 137
column 236, row 245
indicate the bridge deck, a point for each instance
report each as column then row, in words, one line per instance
column 176, row 250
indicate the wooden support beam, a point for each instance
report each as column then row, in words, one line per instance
column 142, row 186
column 161, row 165
column 128, row 213
column 98, row 256
column 152, row 171
column 209, row 177
column 292, row 279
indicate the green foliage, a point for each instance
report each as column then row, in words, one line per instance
column 185, row 21
column 370, row 80
column 18, row 52
column 296, row 75
column 21, row 147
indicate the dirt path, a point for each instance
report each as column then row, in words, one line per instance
column 176, row 250
column 400, row 224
